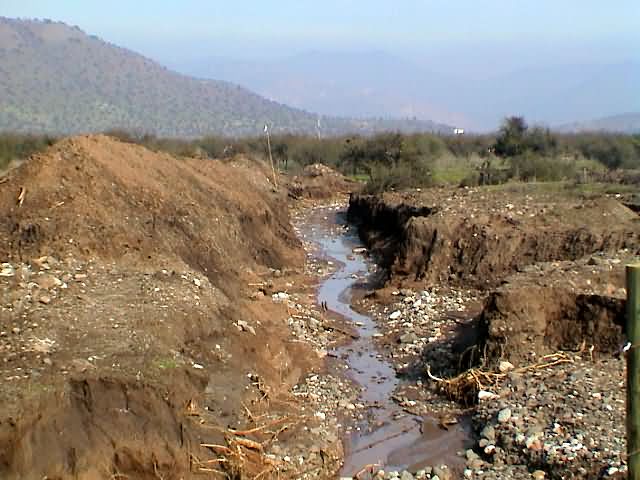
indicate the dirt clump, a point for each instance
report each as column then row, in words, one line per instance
column 319, row 181
column 129, row 334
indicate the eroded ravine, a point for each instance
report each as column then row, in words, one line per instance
column 389, row 437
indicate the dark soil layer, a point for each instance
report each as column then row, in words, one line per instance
column 477, row 237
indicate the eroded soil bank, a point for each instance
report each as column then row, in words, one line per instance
column 509, row 301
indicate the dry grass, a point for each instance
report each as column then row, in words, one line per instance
column 464, row 388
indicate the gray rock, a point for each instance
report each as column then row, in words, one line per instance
column 504, row 415
column 410, row 337
column 406, row 476
column 489, row 433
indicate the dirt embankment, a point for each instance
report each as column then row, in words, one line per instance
column 545, row 260
column 126, row 330
column 318, row 181
column 567, row 305
column 477, row 237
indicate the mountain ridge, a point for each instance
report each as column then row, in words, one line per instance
column 628, row 123
column 379, row 83
column 55, row 78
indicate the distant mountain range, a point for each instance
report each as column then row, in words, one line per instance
column 55, row 78
column 380, row 84
column 626, row 123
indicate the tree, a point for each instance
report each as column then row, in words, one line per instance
column 511, row 138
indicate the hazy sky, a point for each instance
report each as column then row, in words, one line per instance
column 455, row 34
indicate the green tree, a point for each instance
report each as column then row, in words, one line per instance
column 511, row 138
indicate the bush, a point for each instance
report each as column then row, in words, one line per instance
column 15, row 146
column 401, row 176
column 530, row 166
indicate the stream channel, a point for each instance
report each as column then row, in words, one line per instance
column 390, row 438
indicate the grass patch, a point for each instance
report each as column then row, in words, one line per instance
column 166, row 364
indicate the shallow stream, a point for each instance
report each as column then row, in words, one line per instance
column 390, row 437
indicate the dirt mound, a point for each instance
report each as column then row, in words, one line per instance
column 126, row 328
column 319, row 181
column 476, row 237
column 94, row 196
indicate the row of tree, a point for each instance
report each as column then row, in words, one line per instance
column 394, row 160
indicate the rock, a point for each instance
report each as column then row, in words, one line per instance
column 7, row 270
column 45, row 299
column 48, row 282
column 245, row 327
column 406, row 476
column 410, row 337
column 504, row 415
column 486, row 395
column 197, row 282
column 442, row 472
column 16, row 330
column 470, row 455
column 395, row 315
column 505, row 367
column 47, row 361
column 280, row 296
column 489, row 433
column 538, row 475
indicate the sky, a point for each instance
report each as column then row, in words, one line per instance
column 518, row 32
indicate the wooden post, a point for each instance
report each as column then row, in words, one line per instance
column 633, row 371
column 273, row 169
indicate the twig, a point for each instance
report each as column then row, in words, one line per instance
column 23, row 192
column 214, row 446
column 367, row 469
column 250, row 444
column 433, row 377
column 257, row 429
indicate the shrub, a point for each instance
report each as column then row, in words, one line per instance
column 16, row 146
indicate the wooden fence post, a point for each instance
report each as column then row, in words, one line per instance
column 633, row 370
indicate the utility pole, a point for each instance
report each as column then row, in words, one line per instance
column 633, row 371
column 273, row 168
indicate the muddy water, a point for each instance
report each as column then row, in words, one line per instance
column 390, row 437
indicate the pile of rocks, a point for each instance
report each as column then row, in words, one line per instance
column 568, row 419
column 419, row 327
